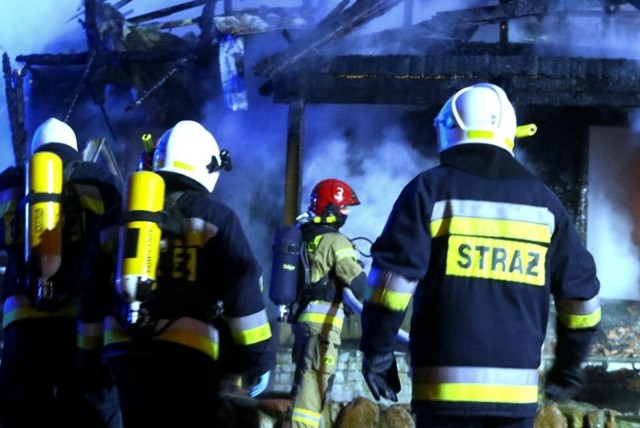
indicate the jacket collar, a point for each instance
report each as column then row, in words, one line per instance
column 484, row 160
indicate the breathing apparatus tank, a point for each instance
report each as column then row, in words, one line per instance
column 139, row 244
column 285, row 269
column 43, row 216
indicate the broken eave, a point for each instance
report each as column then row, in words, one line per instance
column 429, row 79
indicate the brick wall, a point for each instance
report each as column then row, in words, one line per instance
column 348, row 383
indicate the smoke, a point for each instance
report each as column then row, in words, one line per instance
column 613, row 234
column 369, row 147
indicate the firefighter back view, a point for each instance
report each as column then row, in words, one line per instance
column 317, row 322
column 49, row 213
column 183, row 264
column 482, row 245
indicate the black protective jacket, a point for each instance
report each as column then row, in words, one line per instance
column 481, row 245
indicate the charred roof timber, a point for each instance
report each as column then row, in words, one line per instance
column 443, row 59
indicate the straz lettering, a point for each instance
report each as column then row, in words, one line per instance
column 499, row 259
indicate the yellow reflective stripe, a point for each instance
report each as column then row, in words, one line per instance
column 489, row 227
column 488, row 135
column 90, row 197
column 576, row 322
column 250, row 329
column 389, row 289
column 182, row 165
column 19, row 307
column 475, row 384
column 333, row 320
column 477, row 257
column 190, row 339
column 115, row 336
column 306, row 417
column 90, row 335
column 89, row 343
column 109, row 239
column 6, row 207
column 97, row 206
column 393, row 300
column 253, row 335
column 9, row 200
column 470, row 392
column 184, row 331
column 113, row 332
column 481, row 133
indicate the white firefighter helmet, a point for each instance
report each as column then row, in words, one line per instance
column 189, row 149
column 53, row 130
column 481, row 113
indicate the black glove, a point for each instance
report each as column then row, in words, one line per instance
column 381, row 374
column 564, row 382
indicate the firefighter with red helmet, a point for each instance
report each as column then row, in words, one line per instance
column 481, row 245
column 317, row 326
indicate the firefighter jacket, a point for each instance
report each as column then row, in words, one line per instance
column 333, row 265
column 208, row 264
column 88, row 191
column 481, row 245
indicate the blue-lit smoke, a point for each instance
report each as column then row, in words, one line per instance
column 366, row 146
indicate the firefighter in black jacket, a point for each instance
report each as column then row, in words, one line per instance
column 46, row 235
column 332, row 265
column 481, row 245
column 160, row 339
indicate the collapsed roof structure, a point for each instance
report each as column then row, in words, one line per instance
column 330, row 60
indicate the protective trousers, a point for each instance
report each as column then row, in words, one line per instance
column 40, row 381
column 315, row 354
column 164, row 385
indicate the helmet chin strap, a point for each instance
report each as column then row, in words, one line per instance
column 224, row 163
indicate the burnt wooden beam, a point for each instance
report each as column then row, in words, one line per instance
column 333, row 27
column 14, row 90
column 167, row 11
column 429, row 79
column 293, row 173
column 208, row 30
column 144, row 56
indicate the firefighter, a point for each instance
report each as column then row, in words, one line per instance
column 49, row 213
column 160, row 339
column 481, row 245
column 317, row 324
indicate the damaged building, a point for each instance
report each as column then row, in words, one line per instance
column 582, row 97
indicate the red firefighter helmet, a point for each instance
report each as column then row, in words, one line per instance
column 330, row 199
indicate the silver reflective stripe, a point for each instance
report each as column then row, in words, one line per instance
column 203, row 228
column 319, row 307
column 345, row 252
column 109, row 239
column 16, row 301
column 10, row 194
column 89, row 191
column 90, row 329
column 578, row 307
column 391, row 281
column 475, row 375
column 493, row 210
column 248, row 322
